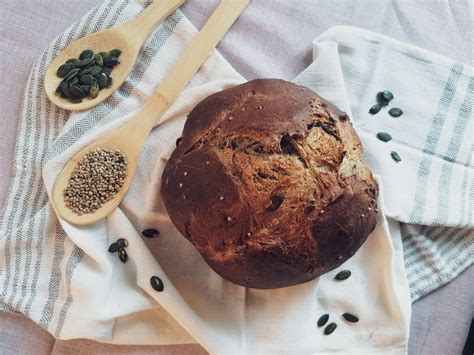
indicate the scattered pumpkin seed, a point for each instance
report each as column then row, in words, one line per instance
column 384, row 97
column 384, row 136
column 86, row 54
column 156, row 283
column 123, row 256
column 151, row 233
column 115, row 52
column 114, row 247
column 330, row 328
column 350, row 317
column 396, row 157
column 387, row 96
column 375, row 109
column 343, row 275
column 123, row 243
column 323, row 320
column 395, row 112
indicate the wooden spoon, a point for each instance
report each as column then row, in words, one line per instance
column 130, row 137
column 128, row 37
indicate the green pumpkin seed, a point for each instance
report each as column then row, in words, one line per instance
column 77, row 92
column 98, row 59
column 102, row 80
column 73, row 61
column 115, row 52
column 75, row 100
column 330, row 328
column 94, row 90
column 73, row 73
column 103, row 53
column 384, row 99
column 88, row 53
column 114, row 247
column 395, row 112
column 151, row 233
column 66, row 91
column 350, row 317
column 86, row 61
column 387, row 96
column 95, row 70
column 86, row 89
column 384, row 136
column 109, row 81
column 123, row 243
column 122, row 255
column 396, row 157
column 63, row 70
column 375, row 109
column 85, row 71
column 342, row 275
column 73, row 81
column 107, row 70
column 111, row 61
column 323, row 320
column 87, row 79
column 156, row 283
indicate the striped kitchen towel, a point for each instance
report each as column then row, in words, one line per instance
column 431, row 191
column 41, row 264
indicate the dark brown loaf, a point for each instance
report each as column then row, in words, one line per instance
column 267, row 183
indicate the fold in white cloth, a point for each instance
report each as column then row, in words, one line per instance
column 77, row 289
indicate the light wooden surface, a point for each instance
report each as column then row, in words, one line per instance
column 130, row 137
column 128, row 37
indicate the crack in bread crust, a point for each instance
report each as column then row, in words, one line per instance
column 268, row 184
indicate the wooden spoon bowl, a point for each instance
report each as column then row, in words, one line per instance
column 130, row 137
column 128, row 37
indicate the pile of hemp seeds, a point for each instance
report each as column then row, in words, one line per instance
column 96, row 179
column 87, row 75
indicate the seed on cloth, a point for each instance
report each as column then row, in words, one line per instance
column 122, row 243
column 384, row 136
column 343, row 275
column 330, row 328
column 323, row 320
column 114, row 247
column 123, row 256
column 396, row 157
column 395, row 112
column 350, row 317
column 156, row 283
column 375, row 109
column 151, row 233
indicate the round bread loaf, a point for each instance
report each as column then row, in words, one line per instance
column 267, row 183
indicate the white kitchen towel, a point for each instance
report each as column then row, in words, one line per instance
column 431, row 191
column 62, row 277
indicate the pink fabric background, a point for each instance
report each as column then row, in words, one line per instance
column 271, row 39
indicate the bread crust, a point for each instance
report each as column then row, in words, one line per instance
column 268, row 184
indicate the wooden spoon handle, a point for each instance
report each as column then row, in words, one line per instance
column 141, row 26
column 193, row 57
